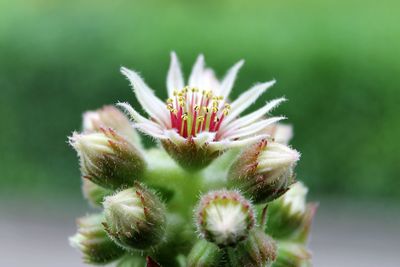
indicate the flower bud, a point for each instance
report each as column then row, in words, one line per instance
column 135, row 218
column 291, row 254
column 110, row 117
column 289, row 215
column 204, row 254
column 264, row 171
column 224, row 217
column 281, row 133
column 107, row 158
column 93, row 242
column 258, row 250
column 94, row 193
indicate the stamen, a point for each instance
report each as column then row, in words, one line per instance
column 193, row 111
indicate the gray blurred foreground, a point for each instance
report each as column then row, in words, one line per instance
column 345, row 233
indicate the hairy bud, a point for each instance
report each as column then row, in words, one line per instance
column 94, row 193
column 204, row 254
column 107, row 158
column 290, row 215
column 224, row 217
column 291, row 254
column 93, row 242
column 259, row 250
column 264, row 171
column 135, row 218
column 110, row 117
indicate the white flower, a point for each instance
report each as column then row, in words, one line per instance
column 197, row 113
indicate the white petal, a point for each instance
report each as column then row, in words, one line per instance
column 245, row 100
column 226, row 144
column 175, row 77
column 229, row 80
column 150, row 103
column 135, row 115
column 253, row 128
column 209, row 81
column 254, row 116
column 197, row 72
column 150, row 130
column 174, row 137
column 203, row 137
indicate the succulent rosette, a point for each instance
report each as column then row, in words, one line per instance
column 218, row 190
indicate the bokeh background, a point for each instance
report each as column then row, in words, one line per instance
column 338, row 62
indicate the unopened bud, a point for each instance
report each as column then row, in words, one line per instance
column 281, row 133
column 259, row 250
column 107, row 158
column 93, row 242
column 224, row 217
column 110, row 117
column 264, row 171
column 135, row 218
column 204, row 254
column 290, row 215
column 292, row 254
column 94, row 193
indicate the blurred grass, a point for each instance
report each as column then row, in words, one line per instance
column 336, row 61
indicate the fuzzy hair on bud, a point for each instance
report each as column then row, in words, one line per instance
column 135, row 218
column 264, row 171
column 224, row 217
column 93, row 242
column 107, row 158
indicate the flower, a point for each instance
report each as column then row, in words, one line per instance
column 197, row 123
column 264, row 171
column 110, row 117
column 290, row 216
column 135, row 218
column 107, row 158
column 93, row 242
column 224, row 217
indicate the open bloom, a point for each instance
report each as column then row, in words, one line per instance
column 197, row 123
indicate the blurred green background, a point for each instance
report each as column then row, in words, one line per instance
column 338, row 62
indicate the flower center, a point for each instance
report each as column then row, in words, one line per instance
column 193, row 112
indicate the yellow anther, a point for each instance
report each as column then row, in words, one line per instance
column 200, row 118
column 175, row 93
column 170, row 100
column 226, row 112
column 215, row 109
column 220, row 97
column 227, row 106
column 196, row 108
column 206, row 109
column 184, row 116
column 216, row 119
